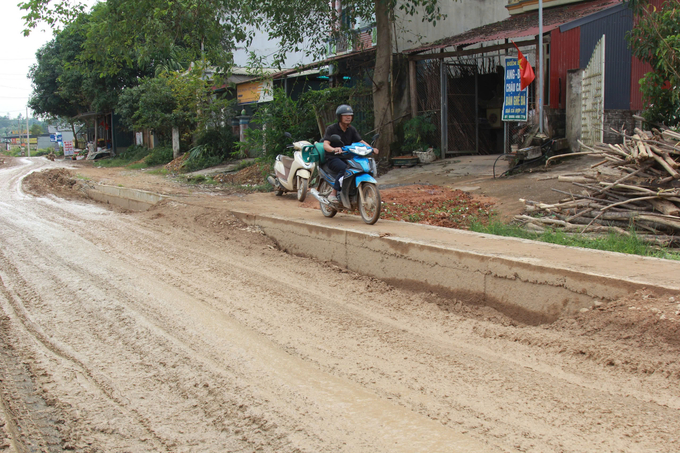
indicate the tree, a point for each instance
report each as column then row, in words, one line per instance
column 151, row 33
column 165, row 102
column 57, row 80
column 282, row 21
column 207, row 30
column 37, row 129
column 656, row 40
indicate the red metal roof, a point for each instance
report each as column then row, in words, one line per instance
column 520, row 25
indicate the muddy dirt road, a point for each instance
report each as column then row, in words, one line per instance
column 182, row 330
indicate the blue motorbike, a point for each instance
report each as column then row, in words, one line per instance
column 359, row 187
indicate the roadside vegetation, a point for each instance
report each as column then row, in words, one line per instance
column 136, row 157
column 630, row 243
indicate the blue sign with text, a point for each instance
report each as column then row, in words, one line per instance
column 515, row 100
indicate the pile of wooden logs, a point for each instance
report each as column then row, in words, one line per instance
column 637, row 184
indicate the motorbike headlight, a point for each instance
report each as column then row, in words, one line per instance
column 362, row 150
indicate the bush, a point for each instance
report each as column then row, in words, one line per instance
column 134, row 153
column 41, row 152
column 418, row 133
column 160, row 155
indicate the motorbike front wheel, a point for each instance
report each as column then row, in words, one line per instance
column 369, row 202
column 302, row 188
column 325, row 190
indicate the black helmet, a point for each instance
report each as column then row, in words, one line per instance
column 343, row 109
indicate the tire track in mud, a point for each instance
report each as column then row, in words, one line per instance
column 233, row 412
column 507, row 385
column 330, row 312
column 29, row 421
column 57, row 348
column 76, row 270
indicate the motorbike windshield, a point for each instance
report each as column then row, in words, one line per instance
column 360, row 149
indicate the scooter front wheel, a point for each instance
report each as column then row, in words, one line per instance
column 301, row 189
column 325, row 190
column 369, row 202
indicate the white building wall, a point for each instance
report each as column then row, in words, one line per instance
column 266, row 48
column 462, row 15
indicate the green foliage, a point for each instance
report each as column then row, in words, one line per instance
column 37, row 129
column 298, row 118
column 656, row 40
column 160, row 155
column 41, row 152
column 612, row 242
column 163, row 102
column 281, row 115
column 139, row 157
column 418, row 133
column 200, row 157
column 151, row 33
column 328, row 99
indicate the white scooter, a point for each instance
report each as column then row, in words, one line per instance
column 293, row 174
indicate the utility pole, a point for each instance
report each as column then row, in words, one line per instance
column 540, row 65
column 28, row 136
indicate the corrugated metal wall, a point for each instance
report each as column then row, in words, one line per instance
column 617, row 55
column 639, row 69
column 564, row 55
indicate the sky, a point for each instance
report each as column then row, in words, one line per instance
column 17, row 57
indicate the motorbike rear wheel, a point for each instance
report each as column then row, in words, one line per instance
column 369, row 202
column 301, row 188
column 325, row 190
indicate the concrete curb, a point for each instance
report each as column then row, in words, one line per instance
column 531, row 292
column 530, row 281
column 132, row 199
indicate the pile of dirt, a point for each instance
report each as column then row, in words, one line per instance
column 642, row 319
column 435, row 205
column 7, row 161
column 175, row 166
column 253, row 175
column 431, row 205
column 58, row 181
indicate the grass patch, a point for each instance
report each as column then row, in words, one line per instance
column 612, row 242
column 138, row 157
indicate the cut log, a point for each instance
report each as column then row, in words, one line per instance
column 666, row 207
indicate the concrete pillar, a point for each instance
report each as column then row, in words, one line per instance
column 573, row 108
column 243, row 125
column 175, row 143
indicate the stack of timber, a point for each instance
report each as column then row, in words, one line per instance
column 636, row 184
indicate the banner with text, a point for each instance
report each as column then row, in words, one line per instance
column 255, row 92
column 68, row 148
column 515, row 100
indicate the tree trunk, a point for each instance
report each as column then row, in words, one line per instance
column 75, row 137
column 381, row 77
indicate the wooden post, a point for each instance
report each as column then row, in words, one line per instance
column 412, row 82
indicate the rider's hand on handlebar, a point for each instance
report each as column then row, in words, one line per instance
column 375, row 150
column 337, row 150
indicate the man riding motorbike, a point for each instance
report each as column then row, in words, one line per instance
column 348, row 135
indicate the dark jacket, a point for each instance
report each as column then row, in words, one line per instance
column 348, row 137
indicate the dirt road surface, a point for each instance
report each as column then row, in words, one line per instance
column 182, row 330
